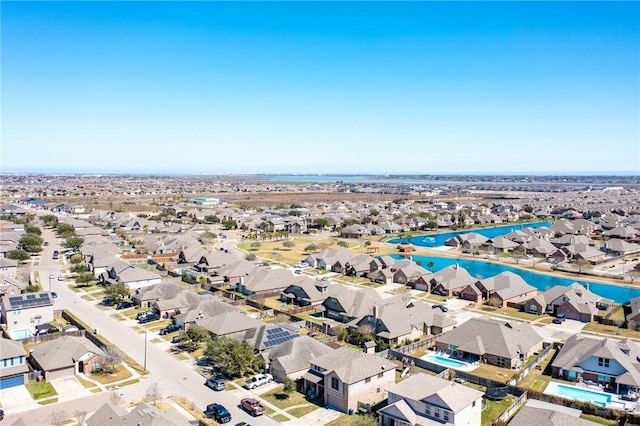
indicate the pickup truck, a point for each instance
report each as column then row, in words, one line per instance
column 252, row 406
column 258, row 380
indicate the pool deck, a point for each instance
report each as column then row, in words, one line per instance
column 616, row 402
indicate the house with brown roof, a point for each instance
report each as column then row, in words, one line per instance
column 292, row 358
column 504, row 288
column 66, row 356
column 574, row 301
column 345, row 377
column 450, row 281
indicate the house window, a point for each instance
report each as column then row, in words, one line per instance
column 436, row 413
column 380, row 375
column 334, row 383
column 473, row 404
column 367, row 380
column 427, row 410
column 445, row 416
column 500, row 361
column 603, row 362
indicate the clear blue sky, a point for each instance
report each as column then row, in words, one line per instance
column 416, row 87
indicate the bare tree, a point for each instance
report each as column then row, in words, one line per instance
column 153, row 393
column 58, row 418
column 517, row 254
column 80, row 416
column 111, row 359
column 114, row 398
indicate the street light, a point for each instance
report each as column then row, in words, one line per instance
column 145, row 351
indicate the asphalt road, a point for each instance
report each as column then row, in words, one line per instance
column 172, row 376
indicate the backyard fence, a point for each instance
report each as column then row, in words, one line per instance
column 502, row 419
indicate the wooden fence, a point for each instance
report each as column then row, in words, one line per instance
column 502, row 419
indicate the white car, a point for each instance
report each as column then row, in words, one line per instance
column 52, row 276
column 301, row 265
column 258, row 380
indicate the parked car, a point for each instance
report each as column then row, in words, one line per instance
column 60, row 277
column 258, row 380
column 442, row 307
column 218, row 413
column 298, row 271
column 108, row 301
column 215, row 384
column 252, row 406
column 559, row 319
column 143, row 314
column 148, row 318
column 171, row 328
column 52, row 276
column 124, row 305
column 54, row 294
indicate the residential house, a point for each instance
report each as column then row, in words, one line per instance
column 450, row 281
column 633, row 317
column 503, row 245
column 228, row 323
column 400, row 322
column 14, row 370
column 141, row 415
column 206, row 307
column 344, row 377
column 291, row 359
column 147, row 296
column 504, row 288
column 574, row 301
column 428, row 400
column 355, row 231
column 358, row 266
column 132, row 276
column 8, row 267
column 344, row 303
column 611, row 363
column 66, row 356
column 505, row 344
column 414, row 276
column 23, row 312
column 265, row 282
column 177, row 304
column 326, row 258
column 305, row 292
column 618, row 247
column 538, row 413
column 10, row 286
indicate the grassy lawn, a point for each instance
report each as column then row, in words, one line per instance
column 310, row 317
column 48, row 401
column 539, row 378
column 494, row 409
column 129, row 382
column 494, row 373
column 120, row 374
column 39, row 390
column 85, row 383
column 280, row 399
column 598, row 420
column 301, row 411
column 597, row 328
column 280, row 418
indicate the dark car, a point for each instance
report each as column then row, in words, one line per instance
column 218, row 413
column 143, row 314
column 215, row 384
column 559, row 319
column 124, row 305
column 171, row 328
column 108, row 301
column 54, row 294
column 152, row 316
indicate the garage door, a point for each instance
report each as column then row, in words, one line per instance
column 10, row 382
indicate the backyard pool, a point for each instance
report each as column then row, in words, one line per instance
column 448, row 362
column 573, row 392
column 22, row 334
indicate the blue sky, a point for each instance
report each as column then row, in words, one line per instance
column 314, row 87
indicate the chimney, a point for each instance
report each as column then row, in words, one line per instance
column 375, row 315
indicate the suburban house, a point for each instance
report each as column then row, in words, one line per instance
column 428, row 400
column 574, row 301
column 14, row 370
column 325, row 259
column 66, row 356
column 206, row 307
column 265, row 282
column 177, row 304
column 610, row 363
column 501, row 343
column 132, row 276
column 538, row 413
column 344, row 377
column 633, row 317
column 504, row 288
column 8, row 267
column 399, row 322
column 10, row 286
column 23, row 312
column 450, row 281
column 413, row 275
column 344, row 304
column 147, row 296
column 306, row 292
column 291, row 358
column 228, row 323
column 141, row 415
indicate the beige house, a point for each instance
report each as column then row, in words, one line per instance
column 23, row 312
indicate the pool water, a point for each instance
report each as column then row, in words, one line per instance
column 447, row 362
column 597, row 398
column 22, row 334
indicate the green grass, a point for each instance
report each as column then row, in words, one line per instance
column 39, row 390
column 280, row 418
column 48, row 401
column 598, row 420
column 121, row 374
column 301, row 411
column 494, row 409
column 282, row 401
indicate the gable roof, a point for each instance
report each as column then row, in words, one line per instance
column 352, row 366
column 63, row 352
column 294, row 355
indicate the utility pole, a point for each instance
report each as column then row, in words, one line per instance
column 145, row 351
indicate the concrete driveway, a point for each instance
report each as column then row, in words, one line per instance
column 69, row 388
column 17, row 398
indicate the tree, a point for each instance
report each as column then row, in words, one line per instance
column 494, row 301
column 153, row 393
column 78, row 268
column 84, row 278
column 233, row 357
column 321, row 222
column 32, row 230
column 289, row 244
column 80, row 416
column 76, row 259
column 255, row 245
column 432, row 224
column 517, row 254
column 73, row 242
column 311, row 247
column 111, row 359
column 31, row 243
column 289, row 387
column 49, row 220
column 430, row 265
column 65, row 230
column 117, row 290
column 250, row 257
column 197, row 333
column 211, row 219
column 229, row 224
column 19, row 255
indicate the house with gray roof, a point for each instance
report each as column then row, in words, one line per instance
column 344, row 303
column 8, row 267
column 141, row 415
column 23, row 312
column 505, row 344
column 538, row 413
column 344, row 377
column 292, row 358
column 66, row 356
column 265, row 282
column 574, row 301
column 401, row 322
column 228, row 323
column 614, row 364
column 133, row 276
column 428, row 400
column 206, row 307
column 305, row 292
column 413, row 275
column 450, row 281
column 505, row 288
column 10, row 286
column 147, row 296
column 14, row 370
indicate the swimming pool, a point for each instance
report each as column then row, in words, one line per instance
column 448, row 362
column 581, row 394
column 22, row 334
